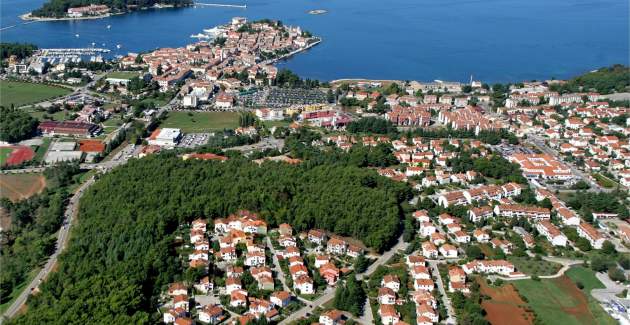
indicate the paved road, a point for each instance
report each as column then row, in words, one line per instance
column 450, row 311
column 62, row 240
column 566, row 265
column 276, row 266
column 330, row 293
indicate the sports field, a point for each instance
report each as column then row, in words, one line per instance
column 5, row 152
column 193, row 122
column 16, row 187
column 559, row 301
column 15, row 155
column 22, row 93
column 123, row 75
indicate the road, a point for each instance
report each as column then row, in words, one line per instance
column 450, row 311
column 62, row 239
column 276, row 266
column 63, row 234
column 330, row 293
column 539, row 143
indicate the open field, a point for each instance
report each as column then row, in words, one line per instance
column 5, row 152
column 531, row 266
column 22, row 93
column 604, row 181
column 123, row 74
column 505, row 306
column 21, row 186
column 587, row 278
column 195, row 122
column 15, row 155
column 43, row 115
column 559, row 301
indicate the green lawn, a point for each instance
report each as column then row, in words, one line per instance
column 191, row 122
column 40, row 151
column 57, row 116
column 604, row 181
column 22, row 93
column 587, row 277
column 4, row 155
column 531, row 266
column 281, row 123
column 122, row 74
column 559, row 301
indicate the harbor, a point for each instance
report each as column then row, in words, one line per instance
column 53, row 56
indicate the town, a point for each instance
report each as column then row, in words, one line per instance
column 512, row 197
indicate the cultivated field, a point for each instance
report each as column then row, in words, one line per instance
column 22, row 93
column 195, row 122
column 16, row 187
column 505, row 306
column 559, row 301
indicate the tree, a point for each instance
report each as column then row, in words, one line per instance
column 361, row 263
column 16, row 125
column 616, row 274
column 474, row 252
column 608, row 248
column 599, row 263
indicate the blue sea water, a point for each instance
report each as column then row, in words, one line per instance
column 493, row 40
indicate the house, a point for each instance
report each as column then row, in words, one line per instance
column 280, row 298
column 438, row 238
column 211, row 314
column 316, row 236
column 181, row 301
column 415, row 260
column 176, row 289
column 593, row 236
column 184, row 321
column 391, row 281
column 477, row 214
column 354, row 251
column 518, row 211
column 232, row 284
column 204, row 285
column 552, row 233
column 456, row 274
column 172, row 314
column 330, row 273
column 238, row 298
column 501, row 244
column 321, row 260
column 331, row 317
column 568, row 217
column 305, row 284
column 429, row 250
column 388, row 314
column 336, row 246
column 420, row 272
column 481, row 236
column 446, row 219
column 421, row 216
column 424, row 284
column 386, row 296
column 426, row 229
column 285, row 229
column 255, row 259
column 424, row 310
column 502, row 267
column 448, row 251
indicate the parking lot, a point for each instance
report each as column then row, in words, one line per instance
column 281, row 97
column 192, row 140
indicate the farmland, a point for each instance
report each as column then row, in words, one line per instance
column 23, row 93
column 21, row 186
column 559, row 301
column 505, row 306
column 191, row 122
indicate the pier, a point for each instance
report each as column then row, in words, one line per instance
column 219, row 5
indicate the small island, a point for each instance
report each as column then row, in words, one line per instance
column 317, row 12
column 94, row 9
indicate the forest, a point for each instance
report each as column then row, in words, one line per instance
column 604, row 81
column 121, row 255
column 58, row 8
column 16, row 125
column 21, row 51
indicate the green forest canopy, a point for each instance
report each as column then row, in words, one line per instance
column 121, row 253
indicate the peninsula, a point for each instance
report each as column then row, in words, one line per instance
column 75, row 10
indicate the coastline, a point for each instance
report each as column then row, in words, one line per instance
column 272, row 61
column 28, row 16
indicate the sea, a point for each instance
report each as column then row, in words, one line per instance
column 488, row 40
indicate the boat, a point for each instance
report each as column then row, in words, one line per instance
column 200, row 36
column 109, row 26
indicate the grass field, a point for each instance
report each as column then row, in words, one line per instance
column 201, row 121
column 21, row 186
column 604, row 181
column 531, row 266
column 559, row 301
column 587, row 277
column 4, row 155
column 122, row 75
column 40, row 151
column 22, row 93
column 57, row 116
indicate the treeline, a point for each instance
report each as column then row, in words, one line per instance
column 29, row 240
column 287, row 79
column 493, row 166
column 20, row 50
column 16, row 125
column 374, row 125
column 58, row 8
column 604, row 81
column 121, row 255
